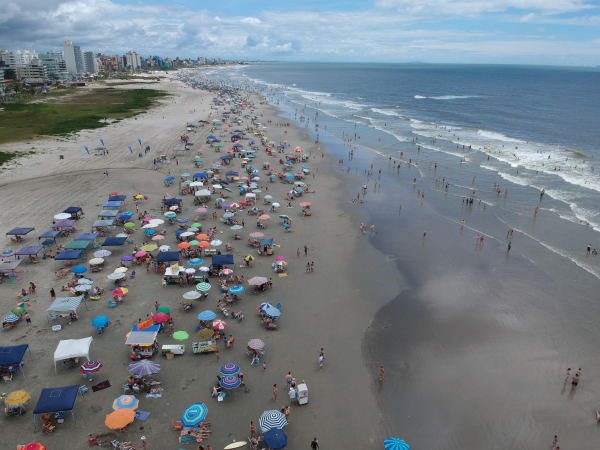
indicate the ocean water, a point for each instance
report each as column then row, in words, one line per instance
column 522, row 128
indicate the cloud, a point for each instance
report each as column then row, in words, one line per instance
column 527, row 17
column 282, row 48
column 250, row 20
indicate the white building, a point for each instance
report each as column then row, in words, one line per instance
column 201, row 60
column 74, row 58
column 18, row 59
column 56, row 68
column 34, row 72
column 91, row 63
column 133, row 60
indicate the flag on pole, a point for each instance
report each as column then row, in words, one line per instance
column 130, row 149
column 373, row 225
column 86, row 149
column 102, row 142
column 140, row 141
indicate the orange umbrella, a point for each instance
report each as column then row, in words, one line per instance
column 184, row 245
column 203, row 244
column 202, row 237
column 119, row 419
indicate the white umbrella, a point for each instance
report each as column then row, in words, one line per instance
column 196, row 184
column 217, row 186
column 268, row 197
column 121, row 235
column 83, row 287
column 203, row 192
column 186, row 182
column 157, row 221
column 186, row 234
column 150, row 225
column 190, row 270
column 164, row 248
column 299, row 183
column 204, row 269
column 85, row 281
column 121, row 270
column 216, row 243
column 276, row 205
column 195, row 229
column 62, row 216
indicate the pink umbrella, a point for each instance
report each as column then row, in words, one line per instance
column 199, row 150
column 219, row 325
column 201, row 210
column 264, row 217
column 158, row 238
column 146, row 219
column 243, row 178
column 279, row 258
column 140, row 254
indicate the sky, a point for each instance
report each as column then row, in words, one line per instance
column 547, row 32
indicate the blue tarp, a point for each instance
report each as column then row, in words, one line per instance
column 86, row 236
column 117, row 198
column 167, row 256
column 265, row 242
column 114, row 241
column 68, row 254
column 30, row 250
column 49, row 234
column 200, row 175
column 220, row 260
column 232, row 174
column 173, row 201
column 13, row 355
column 152, row 328
column 169, row 179
column 56, row 399
column 72, row 210
column 19, row 231
column 112, row 204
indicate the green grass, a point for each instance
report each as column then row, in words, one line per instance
column 65, row 114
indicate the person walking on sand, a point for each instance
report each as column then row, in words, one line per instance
column 575, row 382
column 509, row 247
column 477, row 240
column 27, row 318
column 314, row 445
column 52, row 294
column 321, row 358
column 579, row 372
column 555, row 441
column 288, row 378
column 217, row 355
column 274, row 396
column 568, row 374
column 298, row 253
column 381, row 373
column 305, row 250
column 156, row 305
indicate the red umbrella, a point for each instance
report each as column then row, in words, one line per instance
column 114, row 193
column 219, row 325
column 160, row 317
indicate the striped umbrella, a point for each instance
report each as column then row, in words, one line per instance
column 144, row 367
column 256, row 234
column 191, row 295
column 237, row 227
column 230, row 382
column 265, row 305
column 203, row 286
column 11, row 318
column 236, row 290
column 90, row 367
column 116, row 276
column 194, row 415
column 17, row 398
column 126, row 402
column 256, row 344
column 206, row 315
column 395, row 444
column 219, row 325
column 102, row 254
column 229, row 369
column 7, row 253
column 272, row 419
column 227, row 272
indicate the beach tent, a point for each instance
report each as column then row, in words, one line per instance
column 111, row 205
column 220, row 260
column 72, row 348
column 53, row 400
column 86, row 236
column 117, row 198
column 200, row 175
column 266, row 242
column 103, row 223
column 173, row 201
column 114, row 242
column 78, row 245
column 203, row 193
column 65, row 305
column 67, row 255
column 74, row 210
column 20, row 231
column 30, row 250
column 7, row 266
column 49, row 235
column 167, row 256
column 13, row 355
column 145, row 336
column 63, row 223
column 107, row 213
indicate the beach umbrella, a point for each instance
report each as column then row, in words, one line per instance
column 184, row 245
column 203, row 244
column 257, row 281
column 180, row 336
column 170, row 215
column 195, row 262
column 149, row 232
column 90, row 366
column 219, row 325
column 157, row 221
column 196, row 225
column 17, row 398
column 146, row 219
column 140, row 254
column 11, row 318
column 7, row 253
column 119, row 419
column 275, row 438
column 204, row 287
column 116, row 276
column 150, row 225
column 160, row 317
column 164, row 248
column 143, row 368
column 230, row 382
column 264, row 217
column 249, row 258
column 102, row 254
column 158, row 237
column 37, row 446
column 100, row 321
column 190, row 271
column 229, row 369
column 228, row 215
column 62, row 216
column 194, row 242
column 202, row 210
column 204, row 269
column 126, row 402
column 18, row 311
column 96, row 261
column 283, row 216
column 257, row 234
column 216, row 243
column 237, row 227
column 79, row 269
column 206, row 315
column 272, row 419
column 85, row 281
column 191, row 295
column 256, row 344
column 163, row 309
column 395, row 444
column 194, row 415
column 182, row 221
column 23, row 305
column 129, row 225
column 83, row 288
column 227, row 272
column 202, row 237
column 272, row 312
column 121, row 270
column 236, row 290
column 149, row 248
column 205, row 333
column 279, row 258
column 122, row 235
column 127, row 258
column 120, row 291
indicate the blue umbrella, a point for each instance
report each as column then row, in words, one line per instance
column 395, row 444
column 185, row 174
column 100, row 321
column 128, row 213
column 193, row 415
column 265, row 305
column 149, row 232
column 230, row 382
column 170, row 215
column 207, row 315
column 11, row 318
column 79, row 269
column 236, row 290
column 195, row 262
column 272, row 312
column 228, row 215
column 179, row 233
column 211, row 137
column 275, row 438
column 182, row 220
column 229, row 369
column 237, row 227
column 124, row 217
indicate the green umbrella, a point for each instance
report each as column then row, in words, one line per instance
column 164, row 310
column 196, row 225
column 18, row 311
column 129, row 225
column 203, row 287
column 192, row 243
column 180, row 335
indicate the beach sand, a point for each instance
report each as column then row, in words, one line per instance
column 329, row 308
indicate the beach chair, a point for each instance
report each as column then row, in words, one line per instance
column 178, row 425
column 132, row 274
column 83, row 389
column 278, row 306
column 52, row 317
column 7, row 377
column 111, row 304
column 255, row 361
column 126, row 389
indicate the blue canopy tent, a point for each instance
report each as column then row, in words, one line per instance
column 221, row 260
column 173, row 201
column 114, row 242
column 19, row 231
column 63, row 223
column 68, row 255
column 49, row 235
column 53, row 400
column 200, row 175
column 9, row 266
column 111, row 205
column 10, row 356
column 30, row 250
column 103, row 223
column 108, row 213
column 167, row 256
column 117, row 198
column 266, row 242
column 86, row 236
column 74, row 210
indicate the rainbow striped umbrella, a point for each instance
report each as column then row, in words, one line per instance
column 7, row 253
column 191, row 295
column 126, row 402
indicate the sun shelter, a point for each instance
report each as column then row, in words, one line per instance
column 103, row 223
column 53, row 400
column 8, row 266
column 49, row 235
column 13, row 356
column 108, row 213
column 30, row 250
column 146, row 336
column 267, row 242
column 167, row 256
column 63, row 223
column 72, row 348
column 64, row 305
column 19, row 231
column 173, row 201
column 78, row 245
column 68, row 255
column 221, row 260
column 117, row 198
column 74, row 210
column 114, row 242
column 86, row 236
column 112, row 205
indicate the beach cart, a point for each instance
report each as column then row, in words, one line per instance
column 207, row 346
column 302, row 394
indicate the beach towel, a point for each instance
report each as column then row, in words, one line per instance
column 282, row 275
column 154, row 395
column 141, row 415
column 100, row 386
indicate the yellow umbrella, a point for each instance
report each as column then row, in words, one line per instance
column 121, row 270
column 17, row 398
column 139, row 196
column 149, row 248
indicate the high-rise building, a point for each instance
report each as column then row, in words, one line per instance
column 34, row 72
column 18, row 58
column 56, row 68
column 74, row 58
column 90, row 62
column 133, row 60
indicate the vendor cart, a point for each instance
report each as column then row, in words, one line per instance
column 302, row 394
column 207, row 346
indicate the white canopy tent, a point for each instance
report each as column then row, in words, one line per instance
column 72, row 348
column 64, row 305
column 141, row 338
column 203, row 192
